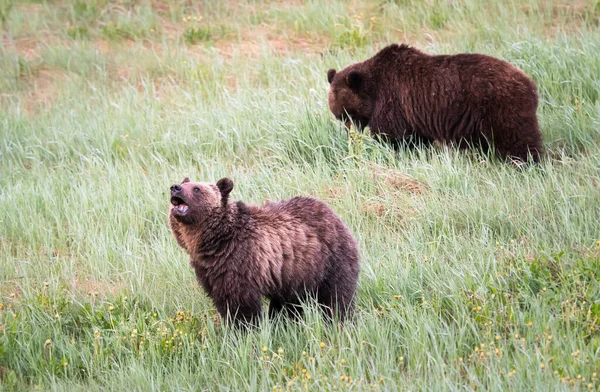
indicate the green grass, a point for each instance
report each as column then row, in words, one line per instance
column 474, row 275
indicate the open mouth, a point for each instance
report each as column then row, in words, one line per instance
column 179, row 205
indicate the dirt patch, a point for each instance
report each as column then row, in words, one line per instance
column 253, row 40
column 404, row 183
column 565, row 16
column 11, row 290
column 4, row 371
column 29, row 8
column 27, row 48
column 43, row 88
column 391, row 214
column 568, row 8
column 335, row 192
column 30, row 47
column 101, row 45
column 161, row 8
column 374, row 208
column 395, row 180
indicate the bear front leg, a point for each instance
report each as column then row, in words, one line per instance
column 388, row 124
column 241, row 311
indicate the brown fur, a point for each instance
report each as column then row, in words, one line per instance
column 466, row 99
column 284, row 251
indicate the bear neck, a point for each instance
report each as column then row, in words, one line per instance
column 216, row 233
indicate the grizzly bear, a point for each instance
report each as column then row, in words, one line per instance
column 288, row 252
column 402, row 93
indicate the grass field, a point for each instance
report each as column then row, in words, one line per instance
column 475, row 275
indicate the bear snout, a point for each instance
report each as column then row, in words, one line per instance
column 175, row 188
column 177, row 195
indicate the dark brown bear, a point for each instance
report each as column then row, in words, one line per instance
column 465, row 99
column 285, row 251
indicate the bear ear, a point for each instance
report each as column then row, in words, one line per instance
column 354, row 80
column 185, row 180
column 330, row 75
column 225, row 186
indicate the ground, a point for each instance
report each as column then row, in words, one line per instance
column 475, row 274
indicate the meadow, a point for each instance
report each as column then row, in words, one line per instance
column 475, row 275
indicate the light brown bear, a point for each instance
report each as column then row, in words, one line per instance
column 287, row 251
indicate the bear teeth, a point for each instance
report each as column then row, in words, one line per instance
column 182, row 208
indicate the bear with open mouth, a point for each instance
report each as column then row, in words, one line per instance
column 288, row 251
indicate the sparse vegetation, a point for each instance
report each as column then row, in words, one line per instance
column 78, row 32
column 194, row 35
column 475, row 275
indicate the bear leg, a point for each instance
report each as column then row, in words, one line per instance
column 240, row 312
column 275, row 307
column 289, row 308
column 337, row 298
column 335, row 304
column 523, row 150
column 518, row 137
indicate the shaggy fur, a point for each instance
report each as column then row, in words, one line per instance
column 284, row 251
column 465, row 99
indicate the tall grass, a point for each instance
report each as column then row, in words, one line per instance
column 474, row 274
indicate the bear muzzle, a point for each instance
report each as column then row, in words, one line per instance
column 177, row 199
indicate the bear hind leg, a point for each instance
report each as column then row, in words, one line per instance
column 275, row 308
column 290, row 308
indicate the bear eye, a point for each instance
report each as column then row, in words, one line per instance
column 196, row 189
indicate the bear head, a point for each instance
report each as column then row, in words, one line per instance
column 195, row 202
column 351, row 96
